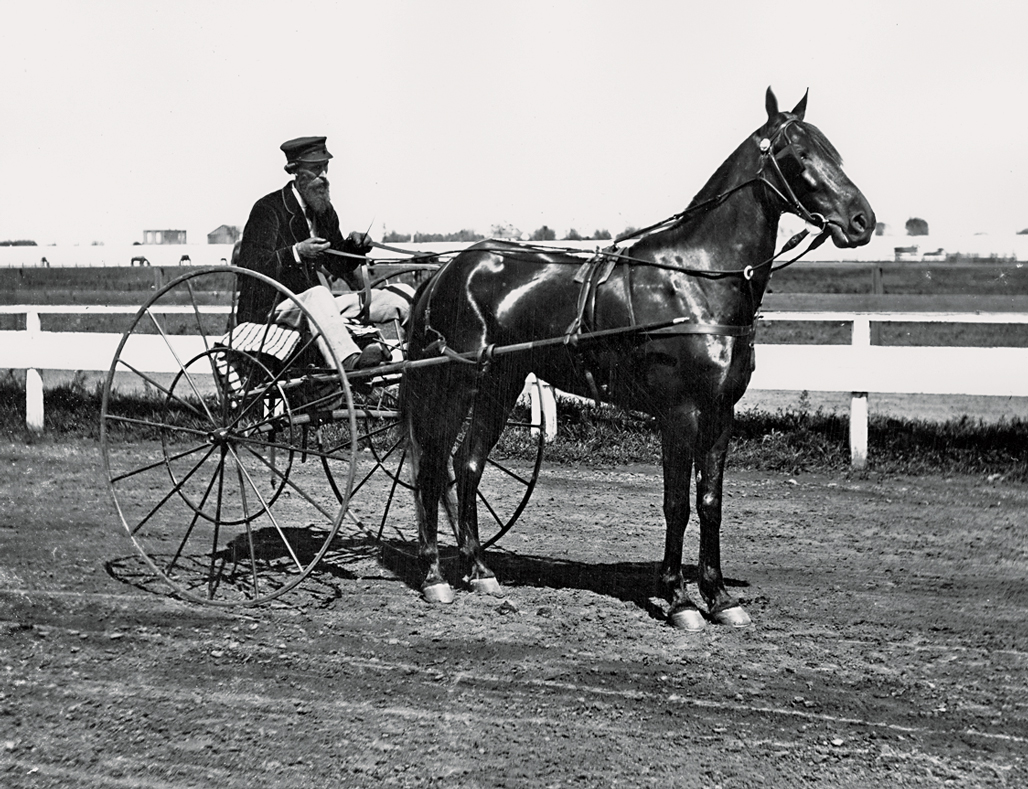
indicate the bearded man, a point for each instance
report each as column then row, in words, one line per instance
column 286, row 238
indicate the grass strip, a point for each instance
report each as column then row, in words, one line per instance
column 794, row 440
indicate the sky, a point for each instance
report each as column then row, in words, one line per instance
column 127, row 115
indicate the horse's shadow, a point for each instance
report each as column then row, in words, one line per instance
column 352, row 557
column 637, row 583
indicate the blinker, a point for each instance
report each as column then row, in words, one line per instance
column 789, row 160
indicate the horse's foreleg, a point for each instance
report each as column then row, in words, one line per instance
column 710, row 471
column 676, row 449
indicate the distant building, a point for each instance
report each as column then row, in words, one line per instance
column 164, row 236
column 225, row 234
column 907, row 254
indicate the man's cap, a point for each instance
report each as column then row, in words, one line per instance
column 306, row 149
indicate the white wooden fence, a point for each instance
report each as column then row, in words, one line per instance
column 859, row 368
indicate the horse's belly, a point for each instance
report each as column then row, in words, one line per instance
column 655, row 378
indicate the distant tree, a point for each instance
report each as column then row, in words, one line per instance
column 460, row 235
column 505, row 230
column 1023, row 232
column 880, row 228
column 392, row 237
column 628, row 231
column 573, row 235
column 917, row 227
column 18, row 243
column 601, row 235
column 543, row 234
column 465, row 235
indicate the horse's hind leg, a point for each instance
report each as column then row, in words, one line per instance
column 432, row 433
column 428, row 489
column 493, row 402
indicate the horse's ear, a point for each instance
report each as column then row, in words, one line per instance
column 770, row 103
column 801, row 108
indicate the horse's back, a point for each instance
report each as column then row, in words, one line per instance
column 498, row 292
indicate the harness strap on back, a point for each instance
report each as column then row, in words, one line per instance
column 590, row 275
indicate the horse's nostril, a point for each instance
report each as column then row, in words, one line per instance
column 859, row 223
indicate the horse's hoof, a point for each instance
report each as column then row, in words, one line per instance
column 735, row 616
column 438, row 593
column 486, row 586
column 688, row 619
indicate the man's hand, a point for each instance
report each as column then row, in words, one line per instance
column 362, row 241
column 311, row 248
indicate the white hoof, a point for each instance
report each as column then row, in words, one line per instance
column 438, row 593
column 486, row 586
column 735, row 616
column 689, row 620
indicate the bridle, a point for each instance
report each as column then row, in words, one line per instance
column 771, row 156
column 769, row 174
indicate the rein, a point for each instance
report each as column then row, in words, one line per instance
column 769, row 163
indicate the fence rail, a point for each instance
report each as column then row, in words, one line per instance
column 859, row 368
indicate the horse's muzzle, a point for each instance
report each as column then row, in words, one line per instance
column 856, row 229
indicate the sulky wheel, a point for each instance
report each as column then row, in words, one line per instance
column 206, row 437
column 382, row 499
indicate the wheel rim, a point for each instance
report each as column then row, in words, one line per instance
column 207, row 476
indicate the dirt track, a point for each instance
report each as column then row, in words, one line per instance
column 890, row 648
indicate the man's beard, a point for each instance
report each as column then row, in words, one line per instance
column 315, row 193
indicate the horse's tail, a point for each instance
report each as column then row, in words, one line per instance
column 415, row 300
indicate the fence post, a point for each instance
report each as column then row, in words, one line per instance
column 33, row 380
column 858, row 402
column 878, row 289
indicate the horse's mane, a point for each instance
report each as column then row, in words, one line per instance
column 822, row 143
column 817, row 140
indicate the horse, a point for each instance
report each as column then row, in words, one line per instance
column 661, row 323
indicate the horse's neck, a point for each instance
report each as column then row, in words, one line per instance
column 739, row 213
column 731, row 224
column 734, row 222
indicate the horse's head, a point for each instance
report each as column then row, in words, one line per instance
column 801, row 164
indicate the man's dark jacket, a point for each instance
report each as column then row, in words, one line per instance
column 276, row 223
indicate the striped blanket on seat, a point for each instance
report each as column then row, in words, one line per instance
column 277, row 342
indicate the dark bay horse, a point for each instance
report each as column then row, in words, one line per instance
column 708, row 266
